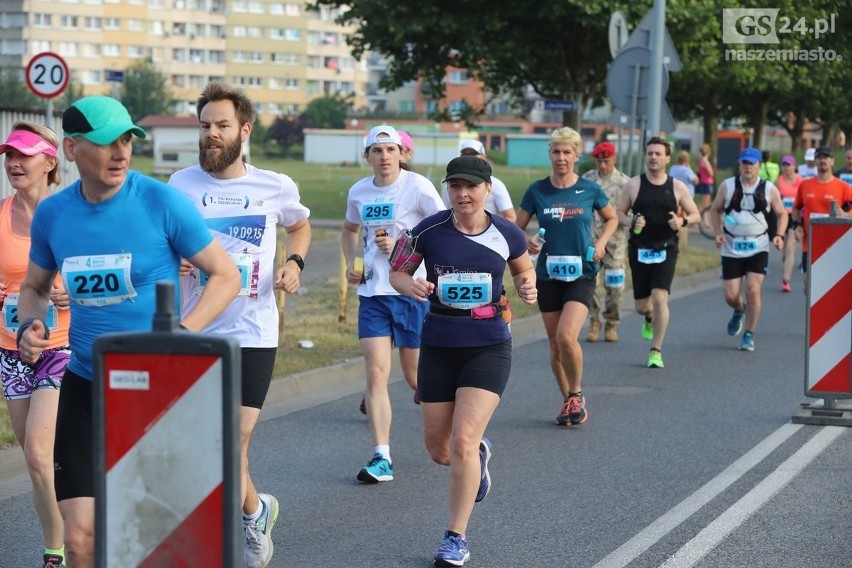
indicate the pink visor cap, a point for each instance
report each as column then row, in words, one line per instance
column 28, row 143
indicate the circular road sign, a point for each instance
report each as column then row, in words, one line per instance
column 47, row 75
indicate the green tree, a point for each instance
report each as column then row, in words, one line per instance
column 328, row 111
column 15, row 91
column 287, row 131
column 145, row 92
column 559, row 48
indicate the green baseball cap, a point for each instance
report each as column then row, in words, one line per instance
column 99, row 119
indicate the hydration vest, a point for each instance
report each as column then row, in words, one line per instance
column 761, row 203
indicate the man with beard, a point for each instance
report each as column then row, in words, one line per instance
column 242, row 206
column 654, row 199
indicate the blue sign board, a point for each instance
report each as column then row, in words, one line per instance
column 560, row 105
column 113, row 76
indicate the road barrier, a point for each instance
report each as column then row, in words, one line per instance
column 166, row 413
column 828, row 357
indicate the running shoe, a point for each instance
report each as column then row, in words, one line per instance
column 735, row 326
column 485, row 479
column 564, row 418
column 785, row 286
column 258, row 548
column 647, row 330
column 379, row 469
column 655, row 359
column 452, row 552
column 53, row 561
column 577, row 410
column 747, row 344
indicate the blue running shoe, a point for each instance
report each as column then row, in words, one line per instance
column 735, row 326
column 747, row 344
column 452, row 552
column 485, row 481
column 379, row 469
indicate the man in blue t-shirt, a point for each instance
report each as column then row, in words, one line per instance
column 112, row 235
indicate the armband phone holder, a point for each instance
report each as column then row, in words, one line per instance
column 403, row 257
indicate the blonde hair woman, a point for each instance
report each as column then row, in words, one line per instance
column 32, row 390
column 567, row 266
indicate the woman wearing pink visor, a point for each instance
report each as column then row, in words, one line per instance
column 32, row 391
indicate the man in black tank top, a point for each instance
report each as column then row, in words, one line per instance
column 649, row 205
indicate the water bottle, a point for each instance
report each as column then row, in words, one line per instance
column 539, row 240
column 637, row 230
column 730, row 221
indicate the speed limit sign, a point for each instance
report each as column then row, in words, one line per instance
column 47, row 75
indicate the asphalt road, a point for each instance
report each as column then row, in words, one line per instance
column 697, row 464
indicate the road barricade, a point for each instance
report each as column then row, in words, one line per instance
column 166, row 412
column 828, row 355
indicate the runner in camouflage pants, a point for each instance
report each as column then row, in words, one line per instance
column 611, row 275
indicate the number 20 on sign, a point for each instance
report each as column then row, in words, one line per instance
column 47, row 75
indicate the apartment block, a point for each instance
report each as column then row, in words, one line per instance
column 280, row 53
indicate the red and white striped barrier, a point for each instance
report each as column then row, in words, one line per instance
column 166, row 446
column 828, row 370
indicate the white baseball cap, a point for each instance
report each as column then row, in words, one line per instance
column 810, row 155
column 475, row 145
column 390, row 136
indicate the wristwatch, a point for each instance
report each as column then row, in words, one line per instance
column 685, row 222
column 300, row 262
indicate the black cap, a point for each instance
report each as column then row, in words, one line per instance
column 470, row 168
column 823, row 151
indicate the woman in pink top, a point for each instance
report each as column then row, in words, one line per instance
column 788, row 185
column 32, row 391
column 705, row 186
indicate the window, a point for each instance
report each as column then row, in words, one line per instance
column 216, row 56
column 91, row 50
column 314, row 61
column 286, row 58
column 292, row 34
column 159, row 4
column 273, row 108
column 406, row 106
column 314, row 38
column 459, row 77
column 254, row 82
column 179, row 55
column 12, row 46
column 110, row 50
column 255, row 31
column 112, row 24
column 42, row 20
column 196, row 55
column 179, row 80
column 68, row 22
column 239, row 6
column 135, row 25
column 93, row 23
column 156, row 27
column 218, row 31
column 255, row 7
column 37, row 46
column 135, row 51
column 239, row 31
column 91, row 77
column 239, row 56
column 276, row 9
column 68, row 48
column 294, row 10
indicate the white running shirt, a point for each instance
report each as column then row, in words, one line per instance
column 243, row 215
column 394, row 208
